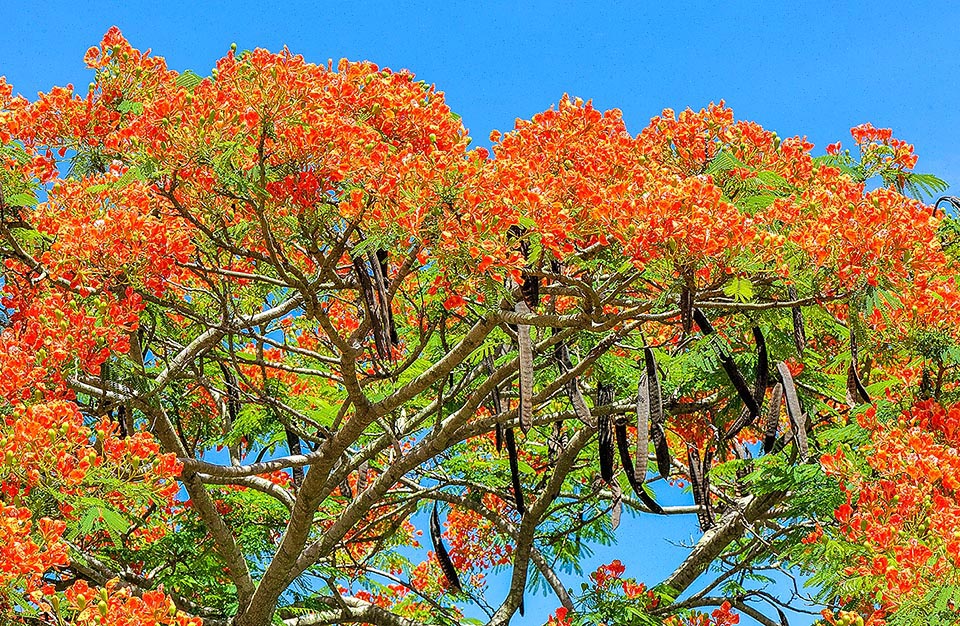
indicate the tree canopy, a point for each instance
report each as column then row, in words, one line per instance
column 267, row 332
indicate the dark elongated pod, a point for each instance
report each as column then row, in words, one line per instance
column 605, row 433
column 797, row 420
column 702, row 322
column 446, row 565
column 623, row 447
column 730, row 367
column 511, row 444
column 746, row 417
column 739, row 384
column 643, row 425
column 773, row 418
column 855, row 388
column 525, row 347
column 370, row 296
column 686, row 309
column 696, row 484
column 655, row 402
column 705, row 487
column 799, row 334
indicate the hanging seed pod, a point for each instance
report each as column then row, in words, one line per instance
column 643, row 425
column 773, row 418
column 369, row 292
column 498, row 437
column 696, row 485
column 525, row 344
column 605, row 433
column 511, row 443
column 705, row 489
column 730, row 367
column 702, row 322
column 742, row 453
column 855, row 388
column 797, row 419
column 686, row 309
column 759, row 387
column 736, row 378
column 799, row 335
column 660, row 446
column 655, row 404
column 623, row 447
column 446, row 565
column 616, row 505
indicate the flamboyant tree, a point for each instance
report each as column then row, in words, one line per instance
column 264, row 330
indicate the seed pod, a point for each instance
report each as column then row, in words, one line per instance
column 733, row 373
column 686, row 309
column 705, row 488
column 616, row 505
column 799, row 335
column 643, row 425
column 514, row 469
column 498, row 436
column 797, row 419
column 696, row 486
column 605, row 433
column 654, row 394
column 773, row 418
column 370, row 294
column 623, row 448
column 855, row 387
column 660, row 446
column 446, row 565
column 746, row 417
column 655, row 403
column 525, row 344
column 702, row 322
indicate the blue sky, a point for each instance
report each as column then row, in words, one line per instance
column 800, row 68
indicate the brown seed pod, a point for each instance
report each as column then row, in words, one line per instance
column 511, row 443
column 643, row 425
column 446, row 565
column 797, row 419
column 525, row 344
column 773, row 418
column 623, row 447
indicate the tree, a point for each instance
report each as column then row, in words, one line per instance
column 262, row 326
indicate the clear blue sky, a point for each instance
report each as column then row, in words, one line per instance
column 807, row 68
